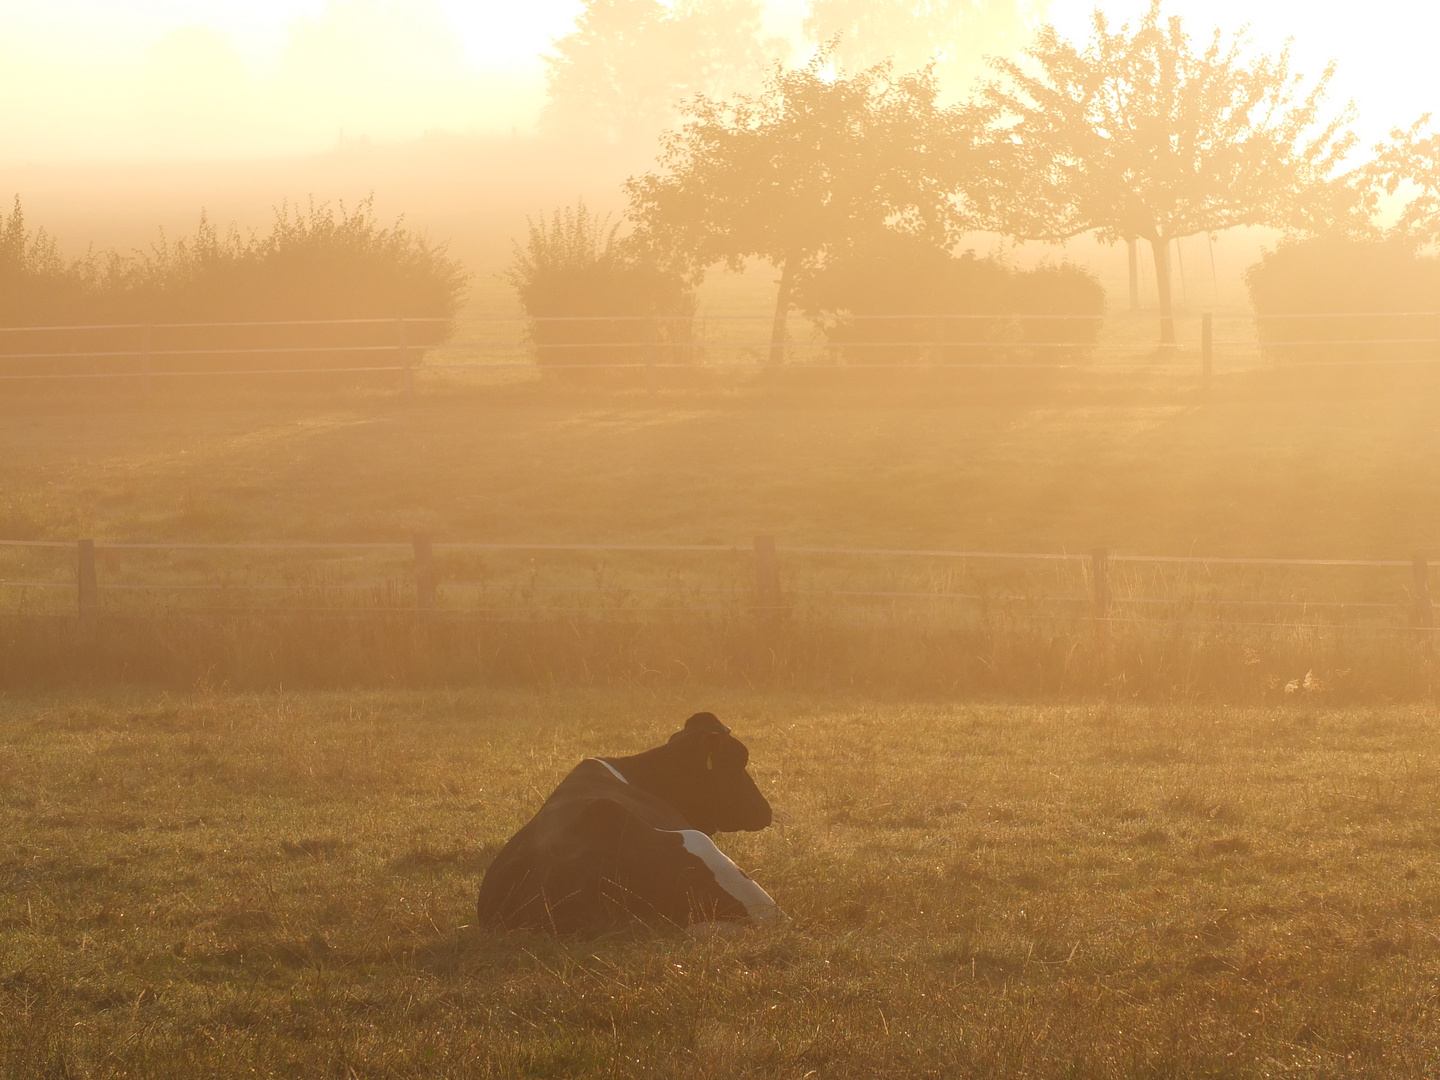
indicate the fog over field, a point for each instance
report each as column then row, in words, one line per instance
column 119, row 121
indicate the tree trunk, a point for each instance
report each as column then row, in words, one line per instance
column 1161, row 248
column 782, row 311
column 1133, row 248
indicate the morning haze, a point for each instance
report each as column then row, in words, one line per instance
column 124, row 119
column 718, row 538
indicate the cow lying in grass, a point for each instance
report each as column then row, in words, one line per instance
column 629, row 837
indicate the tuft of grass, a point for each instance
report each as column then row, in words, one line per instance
column 283, row 884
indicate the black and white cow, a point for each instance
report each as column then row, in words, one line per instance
column 629, row 837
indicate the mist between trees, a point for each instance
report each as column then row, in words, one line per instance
column 859, row 186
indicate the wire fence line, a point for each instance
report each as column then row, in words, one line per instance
column 1007, row 341
column 755, row 590
column 627, row 590
column 765, row 317
column 470, row 545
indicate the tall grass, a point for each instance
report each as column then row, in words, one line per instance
column 1000, row 654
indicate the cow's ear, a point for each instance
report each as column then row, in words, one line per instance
column 706, row 722
column 724, row 753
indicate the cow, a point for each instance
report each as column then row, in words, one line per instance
column 629, row 837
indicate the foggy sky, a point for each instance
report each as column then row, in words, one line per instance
column 98, row 79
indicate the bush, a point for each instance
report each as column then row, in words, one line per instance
column 35, row 284
column 897, row 298
column 1316, row 298
column 312, row 267
column 593, row 298
column 1056, row 305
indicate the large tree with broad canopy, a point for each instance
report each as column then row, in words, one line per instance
column 1140, row 134
column 803, row 168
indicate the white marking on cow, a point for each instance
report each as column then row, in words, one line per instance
column 758, row 904
column 614, row 771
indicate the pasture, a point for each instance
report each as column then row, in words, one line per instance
column 283, row 884
column 1277, row 463
column 1334, row 462
column 994, row 865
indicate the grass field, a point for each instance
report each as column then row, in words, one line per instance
column 1279, row 463
column 1008, row 848
column 283, row 885
column 1331, row 463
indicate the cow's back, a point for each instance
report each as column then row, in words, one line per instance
column 575, row 864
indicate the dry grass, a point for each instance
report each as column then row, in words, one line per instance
column 223, row 886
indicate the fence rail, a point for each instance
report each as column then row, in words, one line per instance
column 767, row 592
column 437, row 347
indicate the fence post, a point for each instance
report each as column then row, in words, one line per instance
column 1207, row 347
column 1424, row 609
column 424, row 571
column 147, row 348
column 767, row 576
column 85, row 578
column 647, row 337
column 405, row 356
column 1100, row 592
column 1134, row 257
column 647, row 331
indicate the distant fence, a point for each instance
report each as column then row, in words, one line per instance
column 162, row 350
column 435, row 347
column 761, row 580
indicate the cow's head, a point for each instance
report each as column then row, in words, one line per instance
column 701, row 772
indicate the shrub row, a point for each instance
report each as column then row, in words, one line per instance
column 898, row 298
column 1340, row 299
column 594, row 298
column 313, row 266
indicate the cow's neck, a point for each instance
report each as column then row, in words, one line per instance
column 653, row 772
column 613, row 771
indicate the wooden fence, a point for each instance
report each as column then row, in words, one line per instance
column 772, row 592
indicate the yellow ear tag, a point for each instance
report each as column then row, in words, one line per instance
column 709, row 761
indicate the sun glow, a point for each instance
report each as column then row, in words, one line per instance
column 208, row 78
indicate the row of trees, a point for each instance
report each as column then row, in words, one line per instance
column 1140, row 133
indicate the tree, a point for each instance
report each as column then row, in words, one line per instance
column 802, row 169
column 956, row 35
column 1412, row 160
column 619, row 76
column 1137, row 134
